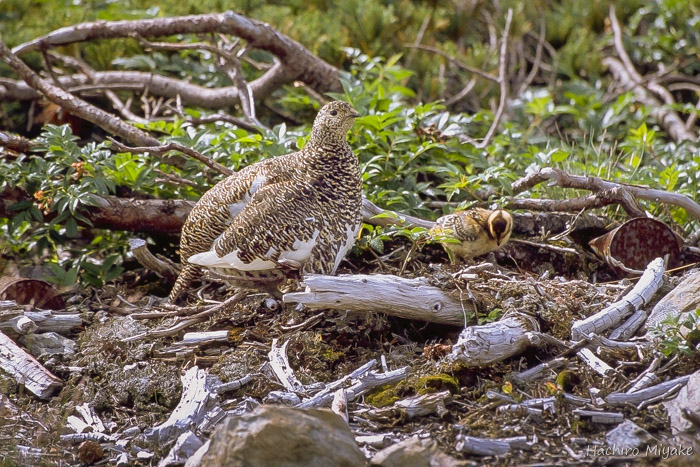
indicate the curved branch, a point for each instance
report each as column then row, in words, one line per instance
column 75, row 105
column 297, row 61
column 598, row 185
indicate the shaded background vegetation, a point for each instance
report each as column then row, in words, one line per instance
column 565, row 114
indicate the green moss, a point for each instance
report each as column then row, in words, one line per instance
column 383, row 397
column 436, row 383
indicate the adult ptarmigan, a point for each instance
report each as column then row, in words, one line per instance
column 478, row 230
column 296, row 211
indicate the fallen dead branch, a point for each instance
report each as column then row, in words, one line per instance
column 296, row 62
column 397, row 296
column 27, row 370
column 613, row 315
column 596, row 184
column 494, row 342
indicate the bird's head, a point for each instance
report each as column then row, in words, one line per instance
column 333, row 122
column 500, row 225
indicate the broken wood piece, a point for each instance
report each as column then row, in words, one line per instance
column 490, row 447
column 629, row 248
column 26, row 370
column 593, row 416
column 613, row 314
column 146, row 259
column 16, row 320
column 18, row 326
column 596, row 364
column 494, row 342
column 538, row 371
column 630, row 326
column 393, row 295
column 325, row 396
column 340, row 404
column 282, row 368
column 616, row 399
column 425, row 404
column 196, row 401
column 234, row 385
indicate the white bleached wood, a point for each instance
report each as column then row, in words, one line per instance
column 340, row 404
column 607, row 418
column 490, row 447
column 393, row 295
column 283, row 370
column 27, row 370
column 596, row 364
column 613, row 314
column 19, row 325
column 326, row 395
column 539, row 371
column 622, row 398
column 196, row 401
column 494, row 342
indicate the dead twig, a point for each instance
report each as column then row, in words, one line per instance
column 596, row 184
column 626, row 74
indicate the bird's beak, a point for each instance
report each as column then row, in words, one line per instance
column 356, row 114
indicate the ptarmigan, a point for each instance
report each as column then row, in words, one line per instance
column 296, row 211
column 478, row 230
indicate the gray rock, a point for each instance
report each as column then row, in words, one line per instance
column 414, row 452
column 688, row 399
column 629, row 435
column 49, row 343
column 284, row 436
column 685, row 298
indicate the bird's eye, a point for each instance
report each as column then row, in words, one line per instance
column 334, row 112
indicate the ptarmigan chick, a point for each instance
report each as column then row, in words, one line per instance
column 298, row 211
column 478, row 230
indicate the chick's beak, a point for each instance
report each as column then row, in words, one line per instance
column 355, row 114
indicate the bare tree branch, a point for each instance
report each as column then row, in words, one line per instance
column 626, row 74
column 503, row 83
column 296, row 61
column 75, row 105
column 598, row 185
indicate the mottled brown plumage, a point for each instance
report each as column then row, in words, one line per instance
column 299, row 210
column 478, row 230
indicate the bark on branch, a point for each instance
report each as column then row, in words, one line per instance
column 296, row 62
column 598, row 185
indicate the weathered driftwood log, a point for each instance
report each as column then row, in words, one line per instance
column 283, row 369
column 539, row 371
column 393, row 295
column 15, row 320
column 55, row 321
column 494, row 342
column 26, row 369
column 623, row 398
column 685, row 298
column 613, row 314
column 594, row 416
column 491, row 447
column 198, row 398
column 326, row 395
column 18, row 326
column 416, row 406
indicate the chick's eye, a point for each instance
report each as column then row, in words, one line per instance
column 334, row 112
